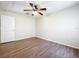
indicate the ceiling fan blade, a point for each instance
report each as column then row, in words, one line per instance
column 43, row 9
column 27, row 10
column 36, row 7
column 31, row 4
column 40, row 13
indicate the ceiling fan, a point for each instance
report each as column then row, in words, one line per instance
column 35, row 9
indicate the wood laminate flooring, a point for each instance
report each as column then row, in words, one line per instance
column 36, row 48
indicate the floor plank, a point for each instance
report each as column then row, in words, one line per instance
column 36, row 48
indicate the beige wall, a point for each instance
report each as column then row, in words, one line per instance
column 61, row 27
column 0, row 29
column 25, row 26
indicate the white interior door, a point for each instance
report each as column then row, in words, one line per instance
column 8, row 28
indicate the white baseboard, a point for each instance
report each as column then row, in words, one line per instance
column 21, row 38
column 57, row 42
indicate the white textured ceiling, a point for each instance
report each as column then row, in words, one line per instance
column 19, row 6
